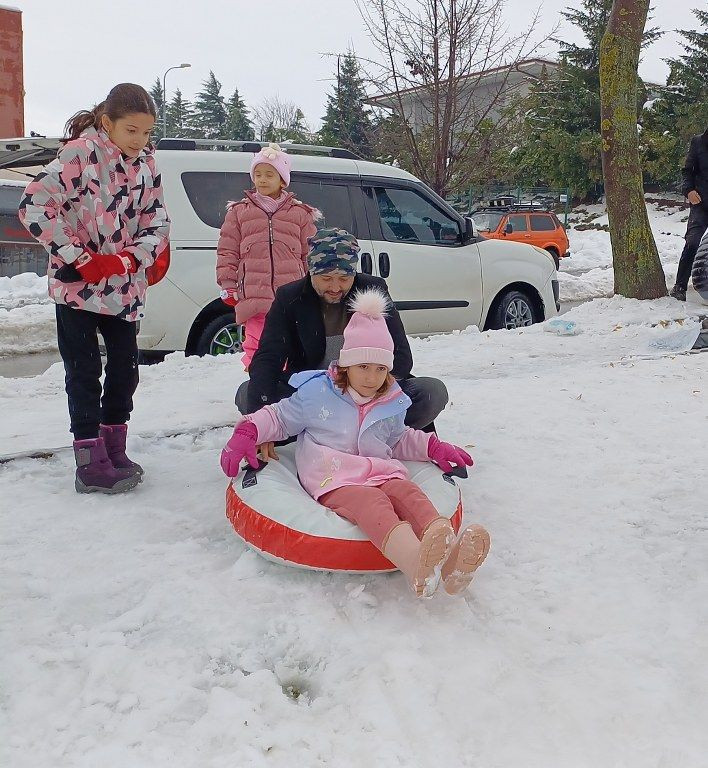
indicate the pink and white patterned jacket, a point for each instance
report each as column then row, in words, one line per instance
column 93, row 197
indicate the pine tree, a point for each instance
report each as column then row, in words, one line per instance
column 238, row 123
column 297, row 131
column 178, row 116
column 688, row 79
column 159, row 99
column 561, row 145
column 682, row 109
column 208, row 119
column 347, row 123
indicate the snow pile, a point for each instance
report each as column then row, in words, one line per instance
column 138, row 631
column 31, row 328
column 26, row 288
column 588, row 274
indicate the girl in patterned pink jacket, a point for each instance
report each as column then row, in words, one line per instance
column 263, row 244
column 98, row 211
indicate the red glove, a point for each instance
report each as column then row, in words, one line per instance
column 94, row 267
column 89, row 267
column 444, row 453
column 228, row 297
column 122, row 263
column 241, row 444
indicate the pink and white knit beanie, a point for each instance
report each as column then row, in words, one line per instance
column 273, row 155
column 366, row 337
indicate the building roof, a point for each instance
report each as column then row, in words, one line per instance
column 478, row 76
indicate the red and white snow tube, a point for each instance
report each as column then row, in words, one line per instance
column 277, row 518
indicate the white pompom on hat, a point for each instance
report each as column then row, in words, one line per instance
column 366, row 337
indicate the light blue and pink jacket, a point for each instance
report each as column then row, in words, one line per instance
column 339, row 442
column 93, row 197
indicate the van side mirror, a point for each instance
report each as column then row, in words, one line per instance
column 509, row 228
column 471, row 232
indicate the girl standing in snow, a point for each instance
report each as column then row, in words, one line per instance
column 351, row 440
column 263, row 244
column 98, row 210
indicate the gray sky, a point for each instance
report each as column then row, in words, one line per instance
column 75, row 52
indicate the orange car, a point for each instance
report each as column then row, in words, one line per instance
column 526, row 225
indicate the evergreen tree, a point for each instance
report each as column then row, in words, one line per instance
column 688, row 80
column 159, row 99
column 561, row 140
column 347, row 123
column 208, row 118
column 682, row 109
column 238, row 123
column 178, row 116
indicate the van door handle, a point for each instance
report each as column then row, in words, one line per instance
column 367, row 265
column 384, row 265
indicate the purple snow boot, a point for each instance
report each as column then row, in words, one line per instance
column 114, row 437
column 94, row 471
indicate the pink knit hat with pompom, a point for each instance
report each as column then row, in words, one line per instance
column 366, row 337
column 273, row 155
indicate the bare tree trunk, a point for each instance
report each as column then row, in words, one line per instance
column 637, row 269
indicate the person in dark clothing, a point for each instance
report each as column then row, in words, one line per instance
column 304, row 330
column 695, row 188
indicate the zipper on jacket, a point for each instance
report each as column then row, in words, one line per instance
column 270, row 244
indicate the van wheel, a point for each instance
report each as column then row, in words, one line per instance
column 556, row 257
column 222, row 336
column 513, row 309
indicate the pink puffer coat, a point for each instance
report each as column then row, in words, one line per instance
column 258, row 253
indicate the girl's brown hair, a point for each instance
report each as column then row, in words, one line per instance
column 341, row 380
column 124, row 99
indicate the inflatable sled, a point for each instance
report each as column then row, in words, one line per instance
column 276, row 517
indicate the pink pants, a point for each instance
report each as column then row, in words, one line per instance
column 377, row 510
column 253, row 328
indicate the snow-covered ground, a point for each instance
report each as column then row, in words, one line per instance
column 139, row 631
column 587, row 274
column 27, row 320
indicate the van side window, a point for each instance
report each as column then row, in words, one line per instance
column 331, row 199
column 541, row 223
column 518, row 222
column 407, row 217
column 209, row 191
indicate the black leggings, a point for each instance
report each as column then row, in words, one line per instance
column 78, row 345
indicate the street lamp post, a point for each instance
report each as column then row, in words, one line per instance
column 164, row 97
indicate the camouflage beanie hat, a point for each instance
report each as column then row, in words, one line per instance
column 332, row 249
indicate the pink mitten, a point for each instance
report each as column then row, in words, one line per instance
column 444, row 453
column 242, row 443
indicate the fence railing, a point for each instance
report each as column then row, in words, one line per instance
column 553, row 199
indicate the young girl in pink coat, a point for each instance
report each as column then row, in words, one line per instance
column 263, row 244
column 351, row 442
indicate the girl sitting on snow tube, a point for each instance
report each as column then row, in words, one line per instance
column 351, row 441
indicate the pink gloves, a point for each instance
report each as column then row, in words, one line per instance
column 444, row 453
column 242, row 443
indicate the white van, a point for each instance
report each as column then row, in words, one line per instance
column 442, row 275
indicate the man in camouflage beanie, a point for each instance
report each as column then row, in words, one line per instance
column 333, row 249
column 304, row 330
